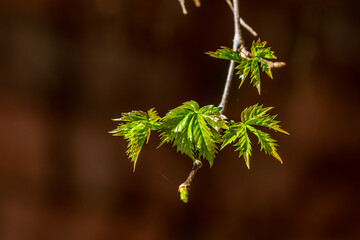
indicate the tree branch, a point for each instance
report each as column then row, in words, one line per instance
column 247, row 27
column 237, row 41
column 182, row 4
column 184, row 188
column 242, row 22
column 238, row 45
column 230, row 5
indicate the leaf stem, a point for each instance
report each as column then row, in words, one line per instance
column 247, row 27
column 237, row 41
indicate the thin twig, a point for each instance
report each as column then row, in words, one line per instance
column 237, row 41
column 230, row 5
column 247, row 27
column 182, row 4
column 246, row 54
column 242, row 22
column 238, row 45
column 184, row 188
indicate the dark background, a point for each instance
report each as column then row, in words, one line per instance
column 67, row 67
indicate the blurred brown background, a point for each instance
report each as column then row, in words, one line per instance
column 68, row 67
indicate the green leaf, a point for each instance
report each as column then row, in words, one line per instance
column 266, row 142
column 193, row 130
column 265, row 68
column 226, row 53
column 255, row 74
column 253, row 116
column 238, row 132
column 251, row 65
column 213, row 117
column 258, row 50
column 136, row 127
column 244, row 70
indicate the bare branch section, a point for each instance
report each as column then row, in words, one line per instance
column 242, row 22
column 274, row 64
column 237, row 41
column 247, row 27
column 238, row 45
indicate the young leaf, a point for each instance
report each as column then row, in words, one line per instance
column 259, row 55
column 255, row 74
column 257, row 115
column 193, row 130
column 244, row 70
column 253, row 116
column 227, row 54
column 135, row 127
column 258, row 50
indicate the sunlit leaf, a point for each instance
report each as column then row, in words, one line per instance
column 249, row 65
column 136, row 127
column 193, row 130
column 238, row 132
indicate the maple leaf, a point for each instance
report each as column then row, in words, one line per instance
column 193, row 130
column 136, row 127
column 227, row 54
column 258, row 59
column 253, row 116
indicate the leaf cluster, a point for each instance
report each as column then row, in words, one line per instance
column 249, row 64
column 194, row 130
column 197, row 132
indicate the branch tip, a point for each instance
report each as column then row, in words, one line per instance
column 184, row 188
column 197, row 3
column 182, row 4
